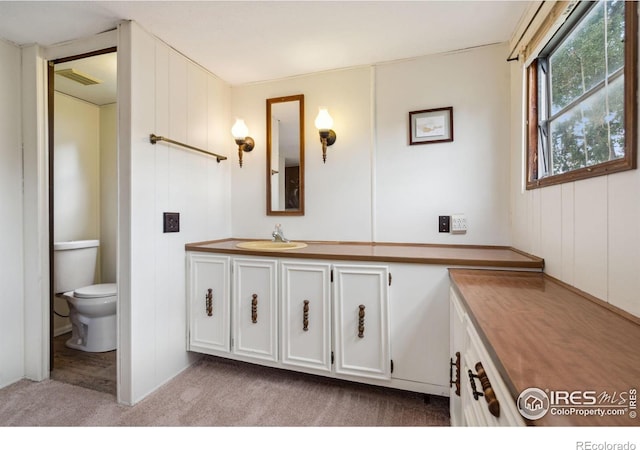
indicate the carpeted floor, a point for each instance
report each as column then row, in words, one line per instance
column 225, row 393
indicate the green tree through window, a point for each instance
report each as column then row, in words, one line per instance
column 584, row 100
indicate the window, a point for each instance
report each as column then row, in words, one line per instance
column 582, row 96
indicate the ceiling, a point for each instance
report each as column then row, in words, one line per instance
column 103, row 68
column 244, row 42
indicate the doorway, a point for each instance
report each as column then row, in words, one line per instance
column 82, row 118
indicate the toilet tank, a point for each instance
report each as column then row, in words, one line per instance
column 74, row 264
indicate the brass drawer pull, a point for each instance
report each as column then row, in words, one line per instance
column 361, row 321
column 457, row 366
column 254, row 308
column 209, row 302
column 488, row 393
column 305, row 316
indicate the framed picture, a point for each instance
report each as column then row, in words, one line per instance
column 431, row 125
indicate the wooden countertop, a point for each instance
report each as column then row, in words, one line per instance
column 544, row 334
column 461, row 255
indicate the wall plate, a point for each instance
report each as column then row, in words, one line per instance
column 171, row 222
column 443, row 224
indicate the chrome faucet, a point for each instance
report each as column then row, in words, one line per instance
column 278, row 235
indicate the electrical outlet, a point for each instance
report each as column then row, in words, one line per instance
column 443, row 224
column 458, row 223
column 171, row 222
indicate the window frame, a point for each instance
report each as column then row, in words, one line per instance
column 629, row 161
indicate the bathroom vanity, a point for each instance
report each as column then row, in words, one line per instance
column 373, row 313
column 525, row 335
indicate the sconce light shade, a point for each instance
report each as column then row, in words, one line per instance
column 239, row 129
column 245, row 143
column 323, row 123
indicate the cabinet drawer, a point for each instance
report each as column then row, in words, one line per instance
column 477, row 354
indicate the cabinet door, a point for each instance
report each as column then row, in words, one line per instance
column 419, row 325
column 306, row 315
column 361, row 295
column 209, row 303
column 255, row 308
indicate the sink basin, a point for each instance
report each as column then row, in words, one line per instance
column 270, row 245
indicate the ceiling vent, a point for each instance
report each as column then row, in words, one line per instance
column 78, row 77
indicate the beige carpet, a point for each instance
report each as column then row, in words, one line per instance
column 219, row 392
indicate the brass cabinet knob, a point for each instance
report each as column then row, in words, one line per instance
column 254, row 308
column 305, row 316
column 209, row 302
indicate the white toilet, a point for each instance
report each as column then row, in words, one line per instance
column 92, row 307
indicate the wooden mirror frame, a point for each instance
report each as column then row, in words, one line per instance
column 300, row 210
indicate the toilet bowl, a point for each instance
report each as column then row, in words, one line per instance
column 92, row 306
column 92, row 311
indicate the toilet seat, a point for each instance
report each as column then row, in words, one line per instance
column 96, row 291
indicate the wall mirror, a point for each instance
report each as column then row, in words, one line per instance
column 285, row 156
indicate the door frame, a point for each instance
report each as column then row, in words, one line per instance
column 38, row 232
column 51, row 160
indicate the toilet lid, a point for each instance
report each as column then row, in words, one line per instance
column 96, row 290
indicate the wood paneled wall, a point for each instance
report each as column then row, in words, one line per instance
column 588, row 231
column 173, row 97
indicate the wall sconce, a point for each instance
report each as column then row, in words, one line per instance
column 324, row 122
column 245, row 143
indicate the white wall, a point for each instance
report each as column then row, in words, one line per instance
column 338, row 193
column 76, row 164
column 417, row 183
column 374, row 186
column 587, row 231
column 11, row 249
column 173, row 97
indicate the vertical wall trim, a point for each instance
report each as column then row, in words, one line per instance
column 35, row 215
column 123, row 251
column 374, row 150
column 50, row 148
column 607, row 286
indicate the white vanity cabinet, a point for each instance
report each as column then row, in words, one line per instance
column 484, row 399
column 307, row 315
column 255, row 308
column 208, row 303
column 305, row 326
column 377, row 313
column 361, row 320
column 457, row 344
